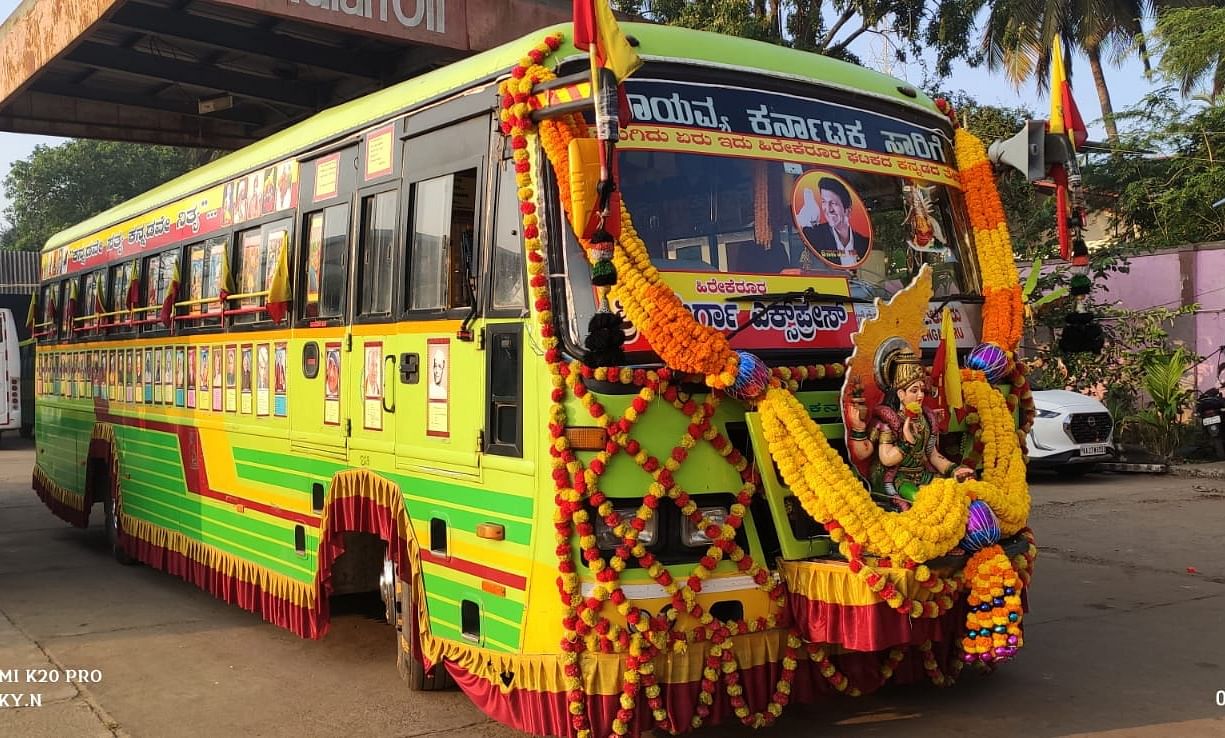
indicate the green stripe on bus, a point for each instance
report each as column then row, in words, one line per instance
column 516, row 532
column 452, row 590
column 151, row 450
column 280, row 478
column 497, row 635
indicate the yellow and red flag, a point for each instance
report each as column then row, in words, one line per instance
column 133, row 297
column 279, row 296
column 596, row 30
column 172, row 296
column 1065, row 117
column 946, row 374
column 225, row 282
column 31, row 314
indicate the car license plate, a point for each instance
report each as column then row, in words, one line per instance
column 1212, row 419
column 1097, row 449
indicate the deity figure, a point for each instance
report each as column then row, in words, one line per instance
column 901, row 439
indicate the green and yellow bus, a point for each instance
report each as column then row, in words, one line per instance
column 349, row 358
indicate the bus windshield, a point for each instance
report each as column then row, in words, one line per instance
column 741, row 193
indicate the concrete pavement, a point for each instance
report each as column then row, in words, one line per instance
column 1124, row 638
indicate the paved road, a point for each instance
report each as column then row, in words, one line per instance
column 1125, row 638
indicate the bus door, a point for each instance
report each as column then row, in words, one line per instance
column 440, row 377
column 321, row 353
column 10, row 372
column 373, row 391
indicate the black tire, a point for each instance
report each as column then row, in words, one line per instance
column 112, row 525
column 408, row 660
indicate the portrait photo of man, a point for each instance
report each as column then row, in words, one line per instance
column 825, row 221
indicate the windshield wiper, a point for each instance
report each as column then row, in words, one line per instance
column 966, row 297
column 806, row 296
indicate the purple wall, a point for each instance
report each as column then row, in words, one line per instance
column 1190, row 274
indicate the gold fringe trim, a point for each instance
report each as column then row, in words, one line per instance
column 301, row 594
column 104, row 432
column 61, row 494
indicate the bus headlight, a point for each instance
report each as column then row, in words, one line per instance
column 692, row 535
column 607, row 539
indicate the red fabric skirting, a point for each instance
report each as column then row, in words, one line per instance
column 67, row 513
column 303, row 621
column 546, row 713
column 862, row 627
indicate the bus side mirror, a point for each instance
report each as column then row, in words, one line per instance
column 584, row 179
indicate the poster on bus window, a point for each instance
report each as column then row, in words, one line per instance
column 111, row 376
column 231, row 379
column 144, row 359
column 372, row 386
column 331, row 384
column 263, row 379
column 218, row 386
column 280, row 380
column 245, row 369
column 314, row 258
column 195, row 279
column 248, row 278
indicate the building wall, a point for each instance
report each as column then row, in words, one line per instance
column 1181, row 276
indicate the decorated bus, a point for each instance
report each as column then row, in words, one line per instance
column 645, row 402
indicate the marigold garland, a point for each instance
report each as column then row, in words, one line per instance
column 1002, row 310
column 993, row 623
column 808, row 464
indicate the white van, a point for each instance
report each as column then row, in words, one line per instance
column 10, row 373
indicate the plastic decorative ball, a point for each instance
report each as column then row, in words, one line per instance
column 752, row 377
column 998, row 602
column 967, row 657
column 1013, row 617
column 1000, row 629
column 1012, row 640
column 991, row 360
column 982, row 527
column 1009, row 591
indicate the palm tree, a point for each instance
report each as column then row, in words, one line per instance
column 1019, row 35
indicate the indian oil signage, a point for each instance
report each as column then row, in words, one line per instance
column 438, row 22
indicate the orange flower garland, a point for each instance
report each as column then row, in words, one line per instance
column 1002, row 310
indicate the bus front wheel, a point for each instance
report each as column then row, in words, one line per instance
column 402, row 613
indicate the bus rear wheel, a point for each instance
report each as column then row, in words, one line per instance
column 110, row 508
column 402, row 614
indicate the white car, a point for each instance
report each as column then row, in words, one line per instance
column 1072, row 432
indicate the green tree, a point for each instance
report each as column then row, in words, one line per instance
column 1162, row 195
column 1192, row 53
column 940, row 26
column 1019, row 34
column 58, row 186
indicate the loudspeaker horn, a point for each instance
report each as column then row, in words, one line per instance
column 1025, row 152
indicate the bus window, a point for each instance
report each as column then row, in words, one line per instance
column 203, row 281
column 323, row 265
column 444, row 220
column 93, row 301
column 259, row 249
column 160, row 271
column 507, row 247
column 121, row 281
column 45, row 325
column 72, row 306
column 376, row 245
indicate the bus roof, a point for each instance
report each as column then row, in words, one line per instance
column 656, row 43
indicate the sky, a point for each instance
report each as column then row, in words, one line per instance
column 1127, row 85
